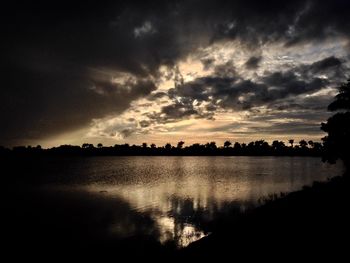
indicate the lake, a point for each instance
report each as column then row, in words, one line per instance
column 171, row 199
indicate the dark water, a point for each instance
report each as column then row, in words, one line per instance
column 172, row 199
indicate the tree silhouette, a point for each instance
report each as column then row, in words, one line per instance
column 227, row 144
column 237, row 146
column 317, row 146
column 311, row 143
column 342, row 100
column 337, row 142
column 291, row 141
column 303, row 144
column 168, row 146
column 87, row 146
column 180, row 144
column 278, row 145
column 211, row 146
column 255, row 148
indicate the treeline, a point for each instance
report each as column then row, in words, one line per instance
column 257, row 148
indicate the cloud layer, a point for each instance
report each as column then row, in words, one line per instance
column 68, row 66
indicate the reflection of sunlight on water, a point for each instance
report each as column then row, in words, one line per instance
column 181, row 234
column 189, row 235
column 169, row 213
column 178, row 194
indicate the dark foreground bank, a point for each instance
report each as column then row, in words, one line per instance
column 313, row 223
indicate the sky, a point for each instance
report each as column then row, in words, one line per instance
column 116, row 72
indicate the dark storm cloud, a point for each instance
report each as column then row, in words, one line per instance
column 34, row 105
column 331, row 66
column 276, row 90
column 126, row 132
column 283, row 84
column 314, row 105
column 207, row 63
column 48, row 48
column 325, row 64
column 157, row 95
column 180, row 110
column 253, row 62
column 144, row 123
column 239, row 93
column 292, row 22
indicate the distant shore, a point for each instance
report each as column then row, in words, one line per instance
column 256, row 148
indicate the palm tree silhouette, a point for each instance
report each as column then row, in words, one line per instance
column 291, row 141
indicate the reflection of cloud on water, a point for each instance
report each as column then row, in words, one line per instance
column 70, row 216
column 181, row 196
column 178, row 219
column 173, row 217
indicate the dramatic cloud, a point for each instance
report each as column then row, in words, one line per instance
column 230, row 90
column 253, row 62
column 123, row 68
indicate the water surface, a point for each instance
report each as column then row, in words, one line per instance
column 174, row 199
